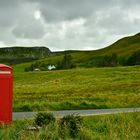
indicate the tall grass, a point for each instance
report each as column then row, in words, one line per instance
column 77, row 89
column 106, row 127
column 114, row 127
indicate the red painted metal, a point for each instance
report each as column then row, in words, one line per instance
column 6, row 93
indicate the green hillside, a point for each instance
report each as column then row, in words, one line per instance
column 123, row 48
column 14, row 55
column 118, row 54
column 125, row 51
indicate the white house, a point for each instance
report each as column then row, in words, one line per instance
column 51, row 67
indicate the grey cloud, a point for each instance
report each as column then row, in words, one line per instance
column 9, row 12
column 62, row 10
column 58, row 10
column 30, row 29
column 7, row 18
column 18, row 16
column 68, row 24
column 129, row 3
column 6, row 36
column 9, row 3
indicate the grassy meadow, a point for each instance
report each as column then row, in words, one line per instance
column 104, row 127
column 93, row 88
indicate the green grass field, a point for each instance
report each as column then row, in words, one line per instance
column 113, row 127
column 106, row 127
column 93, row 88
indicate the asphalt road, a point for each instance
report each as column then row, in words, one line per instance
column 30, row 115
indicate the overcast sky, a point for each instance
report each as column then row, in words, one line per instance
column 67, row 24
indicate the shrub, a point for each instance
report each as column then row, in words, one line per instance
column 43, row 119
column 70, row 125
column 65, row 63
column 25, row 107
column 109, row 61
column 134, row 59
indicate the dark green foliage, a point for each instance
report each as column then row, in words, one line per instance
column 109, row 61
column 122, row 61
column 113, row 60
column 66, row 62
column 43, row 119
column 70, row 125
column 134, row 59
column 32, row 67
column 27, row 69
column 25, row 107
column 36, row 65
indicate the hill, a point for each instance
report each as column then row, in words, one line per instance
column 125, row 51
column 123, row 48
column 14, row 55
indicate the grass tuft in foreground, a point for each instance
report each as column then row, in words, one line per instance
column 107, row 127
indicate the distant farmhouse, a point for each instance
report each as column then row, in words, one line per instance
column 51, row 67
column 36, row 69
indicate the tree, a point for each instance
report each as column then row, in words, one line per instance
column 109, row 61
column 134, row 59
column 66, row 62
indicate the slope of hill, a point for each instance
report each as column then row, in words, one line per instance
column 120, row 51
column 123, row 48
column 14, row 55
column 117, row 54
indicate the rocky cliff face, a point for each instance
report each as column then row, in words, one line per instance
column 13, row 55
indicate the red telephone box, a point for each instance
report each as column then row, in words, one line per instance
column 6, row 93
